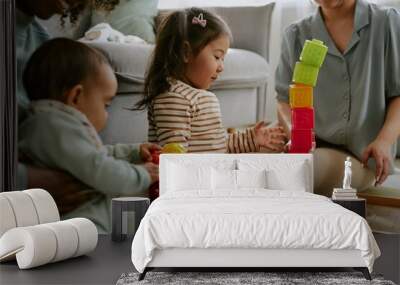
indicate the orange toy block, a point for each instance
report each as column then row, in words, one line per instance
column 301, row 96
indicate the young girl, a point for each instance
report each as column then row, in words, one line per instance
column 189, row 55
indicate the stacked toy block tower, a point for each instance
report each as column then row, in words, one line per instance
column 301, row 95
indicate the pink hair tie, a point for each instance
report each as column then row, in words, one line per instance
column 199, row 20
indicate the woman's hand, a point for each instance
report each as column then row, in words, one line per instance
column 379, row 150
column 146, row 149
column 273, row 138
column 67, row 192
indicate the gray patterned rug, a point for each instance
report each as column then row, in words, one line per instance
column 243, row 278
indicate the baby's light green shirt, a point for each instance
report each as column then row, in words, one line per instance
column 57, row 136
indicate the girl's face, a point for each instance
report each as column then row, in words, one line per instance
column 203, row 69
column 97, row 94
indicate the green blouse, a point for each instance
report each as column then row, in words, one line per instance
column 354, row 88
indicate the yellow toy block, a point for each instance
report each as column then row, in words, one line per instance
column 301, row 96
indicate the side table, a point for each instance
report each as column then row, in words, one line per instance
column 123, row 209
column 356, row 205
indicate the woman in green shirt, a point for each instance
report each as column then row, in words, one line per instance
column 357, row 96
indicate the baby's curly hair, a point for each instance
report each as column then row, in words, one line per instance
column 73, row 11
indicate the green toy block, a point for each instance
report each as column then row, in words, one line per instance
column 305, row 74
column 313, row 53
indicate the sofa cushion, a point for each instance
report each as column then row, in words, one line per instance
column 242, row 68
column 130, row 17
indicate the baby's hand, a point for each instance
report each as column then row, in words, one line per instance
column 146, row 149
column 152, row 169
column 272, row 138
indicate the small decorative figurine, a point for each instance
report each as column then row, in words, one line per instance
column 347, row 174
column 346, row 192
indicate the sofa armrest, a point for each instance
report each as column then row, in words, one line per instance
column 250, row 25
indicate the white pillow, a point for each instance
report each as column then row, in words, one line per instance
column 281, row 174
column 294, row 178
column 223, row 179
column 251, row 178
column 188, row 177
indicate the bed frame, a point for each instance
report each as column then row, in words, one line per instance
column 242, row 259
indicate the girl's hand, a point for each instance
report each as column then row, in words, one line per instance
column 379, row 150
column 146, row 149
column 273, row 138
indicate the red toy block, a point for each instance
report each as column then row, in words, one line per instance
column 301, row 141
column 303, row 118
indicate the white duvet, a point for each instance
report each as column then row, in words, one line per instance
column 252, row 218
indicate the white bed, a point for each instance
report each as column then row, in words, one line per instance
column 230, row 211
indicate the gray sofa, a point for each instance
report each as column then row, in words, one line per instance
column 241, row 88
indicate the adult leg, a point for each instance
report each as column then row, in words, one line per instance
column 329, row 171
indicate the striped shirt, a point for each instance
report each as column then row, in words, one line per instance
column 192, row 117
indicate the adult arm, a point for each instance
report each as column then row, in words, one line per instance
column 285, row 117
column 66, row 190
column 379, row 149
column 283, row 77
